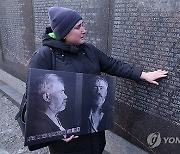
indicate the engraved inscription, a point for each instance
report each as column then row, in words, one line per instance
column 14, row 31
column 149, row 37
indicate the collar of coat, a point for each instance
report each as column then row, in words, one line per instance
column 53, row 43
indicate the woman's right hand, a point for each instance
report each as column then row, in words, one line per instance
column 70, row 138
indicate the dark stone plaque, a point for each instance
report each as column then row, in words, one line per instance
column 95, row 15
column 0, row 48
column 146, row 33
column 41, row 20
column 17, row 35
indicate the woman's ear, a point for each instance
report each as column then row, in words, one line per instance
column 46, row 97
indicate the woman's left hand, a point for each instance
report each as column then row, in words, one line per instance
column 152, row 76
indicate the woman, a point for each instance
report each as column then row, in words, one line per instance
column 66, row 38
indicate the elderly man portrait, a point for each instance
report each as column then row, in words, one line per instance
column 100, row 117
column 51, row 101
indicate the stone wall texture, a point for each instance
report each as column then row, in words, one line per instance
column 144, row 33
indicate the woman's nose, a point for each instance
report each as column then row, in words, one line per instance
column 83, row 30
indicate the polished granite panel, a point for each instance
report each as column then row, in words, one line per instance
column 146, row 34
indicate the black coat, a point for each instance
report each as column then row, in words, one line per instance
column 41, row 124
column 83, row 59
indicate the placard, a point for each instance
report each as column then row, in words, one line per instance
column 61, row 104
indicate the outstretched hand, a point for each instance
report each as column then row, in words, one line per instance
column 151, row 77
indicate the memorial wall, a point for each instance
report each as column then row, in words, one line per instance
column 145, row 33
column 17, row 36
column 95, row 15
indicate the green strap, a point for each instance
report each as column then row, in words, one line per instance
column 52, row 35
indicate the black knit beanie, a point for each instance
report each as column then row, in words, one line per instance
column 62, row 20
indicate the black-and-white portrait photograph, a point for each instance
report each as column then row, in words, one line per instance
column 61, row 104
column 98, row 103
column 50, row 110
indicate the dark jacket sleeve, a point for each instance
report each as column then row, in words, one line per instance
column 41, row 59
column 116, row 67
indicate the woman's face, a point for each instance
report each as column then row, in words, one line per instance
column 76, row 35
